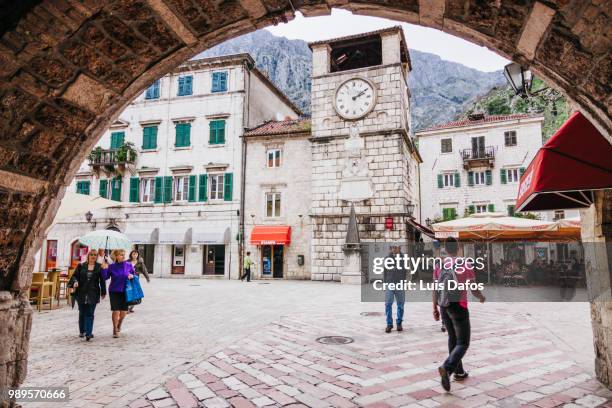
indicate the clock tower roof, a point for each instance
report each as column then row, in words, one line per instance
column 363, row 38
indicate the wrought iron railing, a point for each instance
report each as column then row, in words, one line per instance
column 483, row 153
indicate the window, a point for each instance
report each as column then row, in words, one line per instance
column 117, row 139
column 149, row 138
column 273, row 204
column 104, row 190
column 479, row 178
column 480, row 208
column 153, row 91
column 448, row 180
column 510, row 138
column 513, row 175
column 82, row 187
column 449, row 214
column 511, row 210
column 116, row 188
column 217, row 132
column 181, row 188
column 274, row 157
column 185, row 85
column 559, row 215
column 216, row 186
column 219, row 81
column 183, row 135
column 147, row 190
column 446, row 145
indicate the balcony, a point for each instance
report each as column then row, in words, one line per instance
column 112, row 160
column 483, row 157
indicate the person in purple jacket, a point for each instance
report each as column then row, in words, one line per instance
column 118, row 272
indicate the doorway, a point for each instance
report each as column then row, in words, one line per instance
column 51, row 258
column 214, row 260
column 478, row 147
column 147, row 253
column 178, row 260
column 272, row 260
column 78, row 253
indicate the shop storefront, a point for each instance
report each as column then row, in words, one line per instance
column 272, row 242
column 213, row 242
column 178, row 239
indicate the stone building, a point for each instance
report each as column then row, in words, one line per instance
column 277, row 199
column 362, row 150
column 474, row 166
column 173, row 162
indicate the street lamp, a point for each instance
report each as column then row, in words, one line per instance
column 410, row 210
column 519, row 78
column 88, row 216
column 428, row 222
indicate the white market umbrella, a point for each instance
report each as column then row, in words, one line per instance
column 106, row 239
column 74, row 204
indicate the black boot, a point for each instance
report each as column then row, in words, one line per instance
column 388, row 329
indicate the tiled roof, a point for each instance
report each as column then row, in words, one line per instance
column 487, row 119
column 280, row 127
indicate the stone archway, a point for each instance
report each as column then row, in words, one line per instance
column 68, row 67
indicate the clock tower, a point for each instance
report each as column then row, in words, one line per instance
column 363, row 155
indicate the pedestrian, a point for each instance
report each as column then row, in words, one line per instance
column 140, row 268
column 89, row 287
column 453, row 308
column 118, row 272
column 103, row 257
column 437, row 253
column 394, row 275
column 247, row 267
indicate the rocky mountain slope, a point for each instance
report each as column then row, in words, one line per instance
column 441, row 90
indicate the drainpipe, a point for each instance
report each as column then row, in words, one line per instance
column 245, row 120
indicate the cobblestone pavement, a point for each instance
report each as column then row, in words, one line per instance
column 225, row 343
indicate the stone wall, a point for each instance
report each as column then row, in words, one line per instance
column 67, row 68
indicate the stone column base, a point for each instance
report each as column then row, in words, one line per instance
column 15, row 325
column 351, row 272
column 601, row 319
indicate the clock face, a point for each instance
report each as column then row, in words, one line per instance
column 355, row 98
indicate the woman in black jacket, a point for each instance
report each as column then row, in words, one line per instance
column 89, row 287
column 140, row 268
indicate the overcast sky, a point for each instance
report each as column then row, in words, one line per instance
column 342, row 22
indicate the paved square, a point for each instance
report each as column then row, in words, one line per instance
column 225, row 343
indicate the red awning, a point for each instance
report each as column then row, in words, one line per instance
column 575, row 161
column 271, row 235
column 424, row 230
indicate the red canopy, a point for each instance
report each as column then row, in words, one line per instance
column 575, row 161
column 271, row 235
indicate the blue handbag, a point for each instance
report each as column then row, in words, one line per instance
column 133, row 291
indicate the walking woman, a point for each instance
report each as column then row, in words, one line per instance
column 139, row 267
column 89, row 287
column 119, row 273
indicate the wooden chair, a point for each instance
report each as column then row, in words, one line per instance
column 44, row 290
column 64, row 281
column 54, row 278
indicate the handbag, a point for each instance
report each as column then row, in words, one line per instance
column 133, row 291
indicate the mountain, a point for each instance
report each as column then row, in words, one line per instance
column 502, row 101
column 440, row 89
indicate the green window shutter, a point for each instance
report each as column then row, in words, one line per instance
column 491, row 208
column 453, row 213
column 217, row 132
column 522, row 171
column 489, row 177
column 502, row 176
column 511, row 210
column 159, row 192
column 471, row 209
column 134, row 189
column 117, row 139
column 149, row 137
column 116, row 189
column 104, row 188
column 457, row 180
column 192, row 188
column 167, row 189
column 227, row 187
column 440, row 181
column 470, row 178
column 202, row 187
column 86, row 187
column 445, row 214
column 183, row 134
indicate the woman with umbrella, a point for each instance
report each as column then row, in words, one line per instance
column 89, row 287
column 119, row 273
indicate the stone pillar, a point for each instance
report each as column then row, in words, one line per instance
column 597, row 240
column 15, row 324
column 391, row 46
column 351, row 268
column 320, row 59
